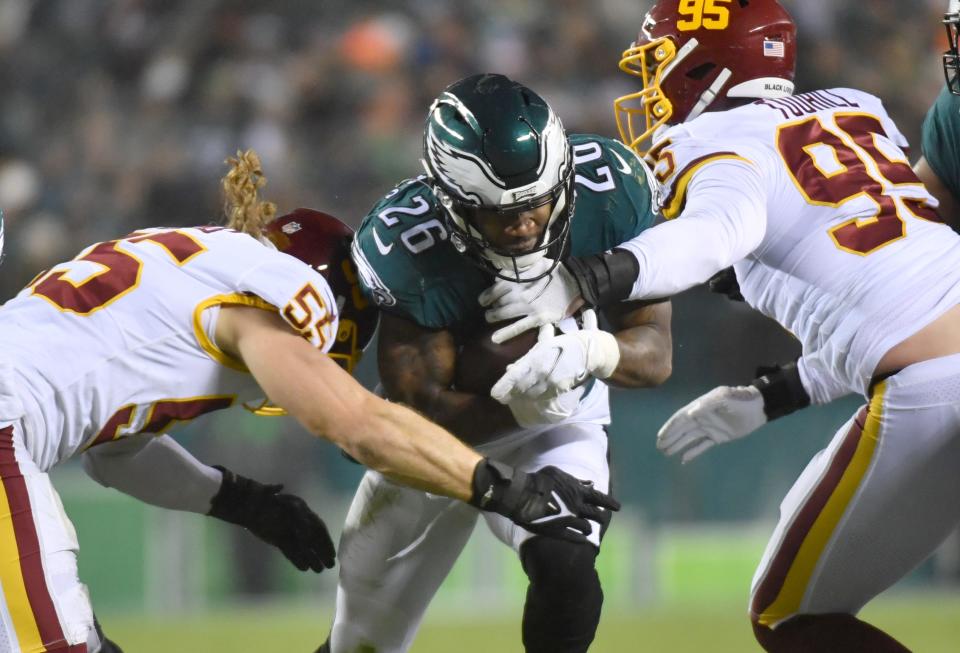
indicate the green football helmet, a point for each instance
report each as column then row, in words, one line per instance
column 493, row 144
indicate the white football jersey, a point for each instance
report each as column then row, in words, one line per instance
column 853, row 259
column 120, row 339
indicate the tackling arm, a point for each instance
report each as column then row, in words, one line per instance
column 396, row 441
column 417, row 367
column 724, row 220
column 330, row 404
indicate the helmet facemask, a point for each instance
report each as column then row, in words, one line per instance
column 468, row 239
column 651, row 62
column 951, row 58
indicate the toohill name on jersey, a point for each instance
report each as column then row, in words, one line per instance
column 408, row 265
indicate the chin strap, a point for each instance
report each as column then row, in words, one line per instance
column 709, row 95
column 606, row 278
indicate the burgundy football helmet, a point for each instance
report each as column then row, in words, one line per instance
column 323, row 242
column 700, row 55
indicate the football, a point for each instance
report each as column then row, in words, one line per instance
column 481, row 362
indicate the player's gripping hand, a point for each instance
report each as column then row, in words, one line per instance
column 546, row 502
column 283, row 520
column 724, row 414
column 559, row 363
column 552, row 410
column 546, row 300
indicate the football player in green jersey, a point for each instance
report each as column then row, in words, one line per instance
column 939, row 167
column 506, row 193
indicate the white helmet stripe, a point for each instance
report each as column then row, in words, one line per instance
column 468, row 174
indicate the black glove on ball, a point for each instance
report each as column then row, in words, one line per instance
column 283, row 520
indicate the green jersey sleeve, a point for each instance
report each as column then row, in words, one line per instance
column 615, row 195
column 940, row 142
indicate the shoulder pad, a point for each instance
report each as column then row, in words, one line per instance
column 406, row 262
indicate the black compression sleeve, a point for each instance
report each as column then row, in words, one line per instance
column 606, row 278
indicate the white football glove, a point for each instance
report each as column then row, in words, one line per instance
column 553, row 410
column 722, row 415
column 544, row 301
column 557, row 364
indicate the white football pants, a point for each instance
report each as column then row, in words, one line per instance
column 872, row 505
column 399, row 544
column 44, row 607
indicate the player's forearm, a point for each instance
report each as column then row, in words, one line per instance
column 406, row 447
column 646, row 357
column 159, row 472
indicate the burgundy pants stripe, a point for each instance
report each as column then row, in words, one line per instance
column 769, row 588
column 28, row 546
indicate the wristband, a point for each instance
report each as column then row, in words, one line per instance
column 493, row 486
column 227, row 502
column 782, row 391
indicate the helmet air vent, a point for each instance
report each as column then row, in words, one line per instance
column 701, row 71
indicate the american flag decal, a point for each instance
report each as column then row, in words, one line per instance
column 772, row 48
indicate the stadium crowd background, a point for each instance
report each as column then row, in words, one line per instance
column 116, row 115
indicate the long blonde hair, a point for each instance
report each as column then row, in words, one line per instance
column 244, row 210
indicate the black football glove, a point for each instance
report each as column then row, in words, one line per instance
column 283, row 520
column 546, row 502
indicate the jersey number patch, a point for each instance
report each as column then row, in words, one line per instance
column 829, row 172
column 419, row 237
column 118, row 272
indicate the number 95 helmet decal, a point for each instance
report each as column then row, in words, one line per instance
column 704, row 55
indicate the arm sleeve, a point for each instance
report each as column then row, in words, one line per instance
column 724, row 220
column 155, row 470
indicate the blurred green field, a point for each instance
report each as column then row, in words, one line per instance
column 927, row 623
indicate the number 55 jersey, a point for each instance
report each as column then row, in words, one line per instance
column 849, row 232
column 120, row 341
